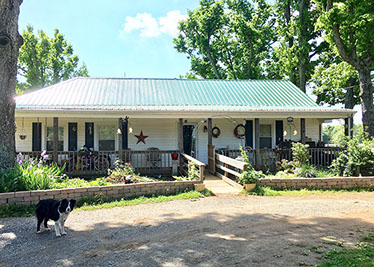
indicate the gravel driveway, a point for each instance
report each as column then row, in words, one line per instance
column 213, row 231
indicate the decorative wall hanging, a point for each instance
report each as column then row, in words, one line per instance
column 22, row 136
column 239, row 131
column 216, row 132
column 141, row 137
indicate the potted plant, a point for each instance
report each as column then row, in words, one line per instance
column 249, row 179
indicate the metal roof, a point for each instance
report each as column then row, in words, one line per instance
column 169, row 95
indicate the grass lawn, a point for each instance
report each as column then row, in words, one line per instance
column 267, row 191
column 362, row 255
column 94, row 203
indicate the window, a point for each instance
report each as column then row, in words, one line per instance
column 106, row 137
column 60, row 145
column 265, row 136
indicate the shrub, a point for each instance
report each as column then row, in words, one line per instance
column 34, row 174
column 249, row 176
column 357, row 156
column 300, row 154
column 306, row 171
column 193, row 172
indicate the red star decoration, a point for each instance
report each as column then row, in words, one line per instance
column 141, row 137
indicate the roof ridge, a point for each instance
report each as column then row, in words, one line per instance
column 181, row 79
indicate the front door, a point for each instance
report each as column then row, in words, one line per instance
column 187, row 138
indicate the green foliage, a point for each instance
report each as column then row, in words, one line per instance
column 249, row 176
column 227, row 39
column 334, row 82
column 267, row 191
column 66, row 182
column 30, row 175
column 14, row 210
column 358, row 154
column 44, row 60
column 306, row 171
column 193, row 172
column 335, row 134
column 360, row 256
column 300, row 154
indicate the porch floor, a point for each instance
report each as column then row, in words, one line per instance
column 218, row 186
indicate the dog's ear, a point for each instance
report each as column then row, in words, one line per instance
column 72, row 203
column 64, row 205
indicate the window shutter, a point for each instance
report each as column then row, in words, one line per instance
column 278, row 132
column 36, row 136
column 73, row 136
column 89, row 134
column 249, row 133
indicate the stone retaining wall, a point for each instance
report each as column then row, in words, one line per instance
column 319, row 183
column 109, row 191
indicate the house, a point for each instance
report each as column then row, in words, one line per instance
column 147, row 120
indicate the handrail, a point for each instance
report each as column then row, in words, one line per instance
column 229, row 166
column 199, row 164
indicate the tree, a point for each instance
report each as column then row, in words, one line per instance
column 295, row 54
column 349, row 28
column 227, row 39
column 10, row 42
column 45, row 61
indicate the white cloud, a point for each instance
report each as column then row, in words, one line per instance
column 148, row 26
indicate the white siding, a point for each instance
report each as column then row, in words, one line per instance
column 162, row 133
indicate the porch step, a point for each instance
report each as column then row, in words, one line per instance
column 219, row 187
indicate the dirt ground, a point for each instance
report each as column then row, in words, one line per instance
column 213, row 231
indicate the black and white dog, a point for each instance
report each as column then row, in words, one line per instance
column 58, row 211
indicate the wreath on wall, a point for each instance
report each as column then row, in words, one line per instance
column 216, row 132
column 239, row 131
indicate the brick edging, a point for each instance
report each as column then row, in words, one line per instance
column 318, row 183
column 108, row 191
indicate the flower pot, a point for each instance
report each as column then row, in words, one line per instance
column 199, row 187
column 174, row 156
column 249, row 187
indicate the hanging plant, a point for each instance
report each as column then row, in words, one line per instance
column 216, row 132
column 239, row 131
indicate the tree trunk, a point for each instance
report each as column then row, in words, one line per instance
column 366, row 96
column 303, row 51
column 349, row 104
column 10, row 42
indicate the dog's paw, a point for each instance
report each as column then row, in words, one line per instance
column 39, row 232
column 58, row 235
column 63, row 233
column 47, row 229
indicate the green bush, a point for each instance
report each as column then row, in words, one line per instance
column 306, row 171
column 300, row 154
column 359, row 154
column 31, row 175
column 250, row 176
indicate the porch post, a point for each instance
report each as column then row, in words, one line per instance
column 120, row 143
column 257, row 133
column 348, row 127
column 302, row 126
column 257, row 142
column 55, row 139
column 210, row 137
column 180, row 135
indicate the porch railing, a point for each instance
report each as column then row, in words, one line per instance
column 151, row 161
column 186, row 161
column 229, row 169
column 79, row 163
column 266, row 159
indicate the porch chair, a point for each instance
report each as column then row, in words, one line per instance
column 154, row 157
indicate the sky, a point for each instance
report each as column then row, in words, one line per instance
column 118, row 38
column 115, row 38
